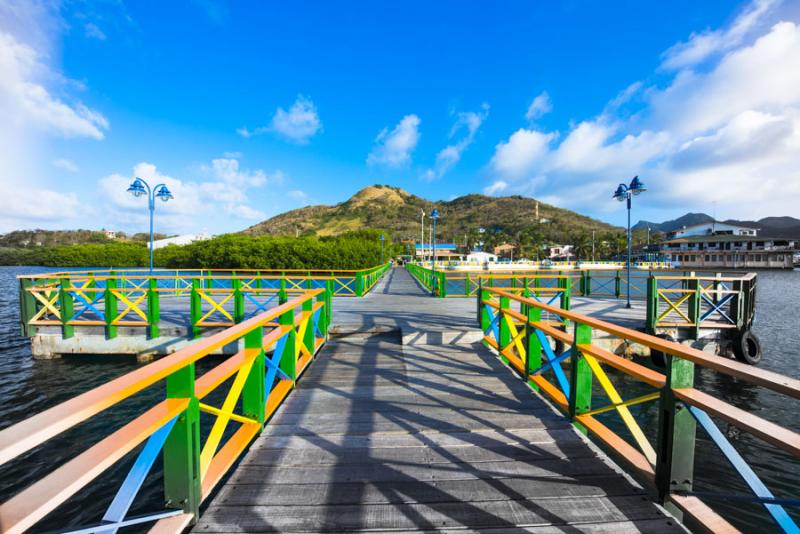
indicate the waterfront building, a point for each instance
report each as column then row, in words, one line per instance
column 730, row 251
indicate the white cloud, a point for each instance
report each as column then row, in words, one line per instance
column 224, row 194
column 540, row 106
column 523, row 150
column 66, row 164
column 393, row 148
column 92, row 31
column 297, row 194
column 727, row 133
column 34, row 206
column 25, row 102
column 450, row 155
column 495, row 187
column 233, row 155
column 298, row 125
column 701, row 46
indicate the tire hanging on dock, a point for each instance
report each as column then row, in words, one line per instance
column 747, row 347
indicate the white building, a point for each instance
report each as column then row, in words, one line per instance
column 478, row 256
column 180, row 240
column 712, row 228
column 561, row 252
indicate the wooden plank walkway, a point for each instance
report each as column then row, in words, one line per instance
column 382, row 436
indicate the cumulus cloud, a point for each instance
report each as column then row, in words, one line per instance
column 540, row 106
column 393, row 148
column 223, row 193
column 467, row 124
column 25, row 101
column 298, row 125
column 727, row 133
column 701, row 46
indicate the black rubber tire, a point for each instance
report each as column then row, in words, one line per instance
column 658, row 358
column 747, row 348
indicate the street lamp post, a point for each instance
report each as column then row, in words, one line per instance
column 434, row 217
column 140, row 187
column 382, row 239
column 422, row 235
column 625, row 193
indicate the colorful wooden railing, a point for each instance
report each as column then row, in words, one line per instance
column 513, row 325
column 674, row 299
column 193, row 461
column 132, row 298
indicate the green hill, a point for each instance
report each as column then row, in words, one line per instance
column 397, row 212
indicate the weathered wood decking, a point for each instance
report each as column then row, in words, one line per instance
column 421, row 436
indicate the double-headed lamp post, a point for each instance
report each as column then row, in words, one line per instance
column 625, row 192
column 434, row 218
column 382, row 238
column 138, row 188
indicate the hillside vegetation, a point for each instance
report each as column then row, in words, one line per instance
column 397, row 212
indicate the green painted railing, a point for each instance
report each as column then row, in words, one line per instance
column 135, row 298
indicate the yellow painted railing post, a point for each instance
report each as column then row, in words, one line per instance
column 182, row 449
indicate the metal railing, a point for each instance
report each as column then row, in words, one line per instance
column 133, row 298
column 513, row 325
column 193, row 461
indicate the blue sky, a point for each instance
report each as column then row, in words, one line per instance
column 248, row 109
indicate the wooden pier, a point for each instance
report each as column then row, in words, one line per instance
column 434, row 434
column 395, row 411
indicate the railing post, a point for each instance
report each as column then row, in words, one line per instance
column 289, row 357
column 329, row 289
column 282, row 296
column 534, row 345
column 652, row 304
column 468, row 285
column 676, row 432
column 27, row 307
column 308, row 336
column 566, row 294
column 442, row 284
column 360, row 284
column 195, row 308
column 153, row 308
column 254, row 396
column 110, row 303
column 694, row 306
column 66, row 301
column 323, row 314
column 618, row 284
column 238, row 301
column 580, row 387
column 586, row 288
column 505, row 332
column 182, row 448
column 485, row 313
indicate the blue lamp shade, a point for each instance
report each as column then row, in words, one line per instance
column 137, row 188
column 163, row 193
column 621, row 192
column 435, row 214
column 637, row 186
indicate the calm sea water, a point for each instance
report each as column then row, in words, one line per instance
column 28, row 387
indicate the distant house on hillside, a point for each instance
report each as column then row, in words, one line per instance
column 110, row 234
column 180, row 240
column 561, row 252
column 443, row 251
column 506, row 250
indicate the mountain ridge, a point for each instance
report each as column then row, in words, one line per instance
column 397, row 211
